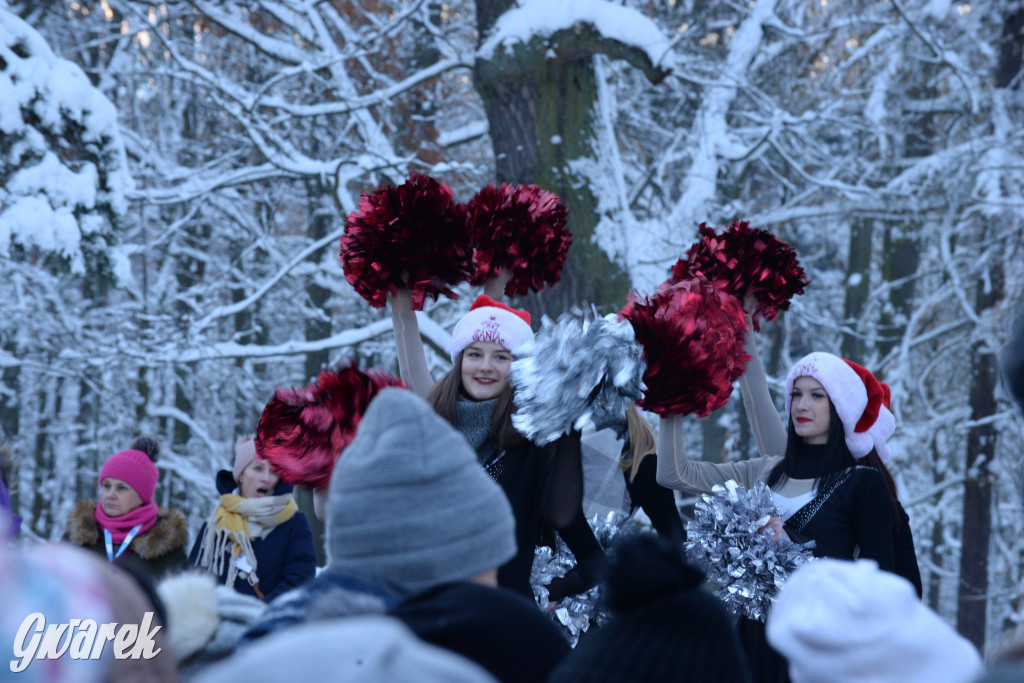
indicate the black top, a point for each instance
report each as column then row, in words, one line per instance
column 544, row 486
column 862, row 515
column 906, row 554
column 857, row 514
column 657, row 502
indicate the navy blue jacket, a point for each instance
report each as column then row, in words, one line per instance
column 286, row 557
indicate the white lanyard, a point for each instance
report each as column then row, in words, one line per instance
column 124, row 544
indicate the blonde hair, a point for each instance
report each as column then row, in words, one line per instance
column 641, row 441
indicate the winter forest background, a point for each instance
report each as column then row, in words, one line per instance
column 174, row 180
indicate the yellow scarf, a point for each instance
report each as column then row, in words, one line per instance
column 235, row 522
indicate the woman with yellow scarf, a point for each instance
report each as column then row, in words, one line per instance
column 256, row 541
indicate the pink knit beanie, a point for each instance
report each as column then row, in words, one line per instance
column 245, row 453
column 861, row 401
column 491, row 321
column 135, row 469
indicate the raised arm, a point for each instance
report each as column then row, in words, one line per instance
column 677, row 471
column 412, row 361
column 765, row 423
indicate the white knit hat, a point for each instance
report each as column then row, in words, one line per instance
column 491, row 321
column 861, row 401
column 836, row 620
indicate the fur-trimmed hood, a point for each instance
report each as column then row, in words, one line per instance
column 170, row 532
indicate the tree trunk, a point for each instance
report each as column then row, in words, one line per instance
column 1012, row 52
column 981, row 439
column 317, row 327
column 981, row 446
column 540, row 102
column 858, row 279
column 902, row 254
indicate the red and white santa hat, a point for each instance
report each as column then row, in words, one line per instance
column 491, row 321
column 861, row 401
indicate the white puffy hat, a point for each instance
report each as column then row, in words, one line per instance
column 491, row 321
column 836, row 620
column 861, row 401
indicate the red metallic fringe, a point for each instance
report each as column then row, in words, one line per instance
column 519, row 228
column 413, row 236
column 303, row 430
column 741, row 260
column 693, row 339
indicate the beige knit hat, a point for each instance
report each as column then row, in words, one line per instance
column 245, row 453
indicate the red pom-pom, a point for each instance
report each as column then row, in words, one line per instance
column 414, row 236
column 742, row 261
column 693, row 337
column 303, row 431
column 518, row 228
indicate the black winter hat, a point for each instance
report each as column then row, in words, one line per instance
column 665, row 627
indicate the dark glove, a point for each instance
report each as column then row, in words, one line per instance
column 563, row 586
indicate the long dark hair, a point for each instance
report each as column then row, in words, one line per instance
column 445, row 396
column 836, row 461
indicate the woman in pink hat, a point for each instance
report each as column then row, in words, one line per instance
column 543, row 484
column 126, row 524
column 826, row 468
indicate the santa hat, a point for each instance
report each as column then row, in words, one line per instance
column 861, row 401
column 491, row 321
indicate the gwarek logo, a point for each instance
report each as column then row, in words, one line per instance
column 81, row 639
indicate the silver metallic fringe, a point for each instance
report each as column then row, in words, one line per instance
column 748, row 566
column 575, row 613
column 575, row 373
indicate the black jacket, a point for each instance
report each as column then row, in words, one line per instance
column 499, row 630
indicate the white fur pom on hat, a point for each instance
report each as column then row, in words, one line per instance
column 491, row 321
column 861, row 401
column 836, row 620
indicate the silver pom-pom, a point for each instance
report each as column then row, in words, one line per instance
column 747, row 565
column 576, row 373
column 574, row 614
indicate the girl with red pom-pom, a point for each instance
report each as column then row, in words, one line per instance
column 826, row 470
column 544, row 484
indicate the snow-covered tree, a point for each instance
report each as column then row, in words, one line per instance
column 63, row 171
column 883, row 140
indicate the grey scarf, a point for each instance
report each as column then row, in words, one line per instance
column 473, row 421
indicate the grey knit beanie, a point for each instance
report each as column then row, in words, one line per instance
column 408, row 503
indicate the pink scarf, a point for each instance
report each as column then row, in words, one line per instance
column 120, row 526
